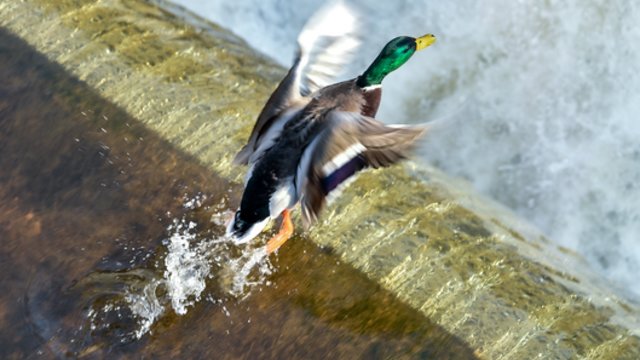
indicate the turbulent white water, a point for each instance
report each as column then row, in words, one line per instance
column 540, row 102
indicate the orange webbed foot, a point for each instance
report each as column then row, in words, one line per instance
column 286, row 230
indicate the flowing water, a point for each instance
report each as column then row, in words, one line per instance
column 112, row 248
column 537, row 104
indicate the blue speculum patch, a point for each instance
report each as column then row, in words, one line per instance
column 330, row 182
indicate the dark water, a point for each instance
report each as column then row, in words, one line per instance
column 86, row 196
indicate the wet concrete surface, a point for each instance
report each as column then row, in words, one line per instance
column 85, row 190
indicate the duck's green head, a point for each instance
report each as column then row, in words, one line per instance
column 392, row 56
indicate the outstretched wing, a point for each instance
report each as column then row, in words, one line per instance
column 349, row 143
column 328, row 42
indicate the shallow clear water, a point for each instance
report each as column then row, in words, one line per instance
column 537, row 104
column 111, row 248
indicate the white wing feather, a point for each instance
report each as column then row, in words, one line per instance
column 328, row 42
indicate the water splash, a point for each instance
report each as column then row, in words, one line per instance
column 146, row 307
column 187, row 266
column 248, row 271
column 125, row 305
column 122, row 306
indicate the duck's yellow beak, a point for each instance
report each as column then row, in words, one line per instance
column 424, row 41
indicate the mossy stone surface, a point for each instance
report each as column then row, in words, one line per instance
column 469, row 265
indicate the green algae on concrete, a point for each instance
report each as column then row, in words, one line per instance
column 147, row 61
column 85, row 200
column 464, row 262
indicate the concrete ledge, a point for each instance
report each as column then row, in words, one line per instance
column 469, row 265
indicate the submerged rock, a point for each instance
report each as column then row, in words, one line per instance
column 465, row 262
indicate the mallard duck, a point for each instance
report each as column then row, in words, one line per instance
column 310, row 138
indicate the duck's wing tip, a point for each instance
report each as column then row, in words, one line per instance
column 327, row 43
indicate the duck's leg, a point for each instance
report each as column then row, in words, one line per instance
column 286, row 229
